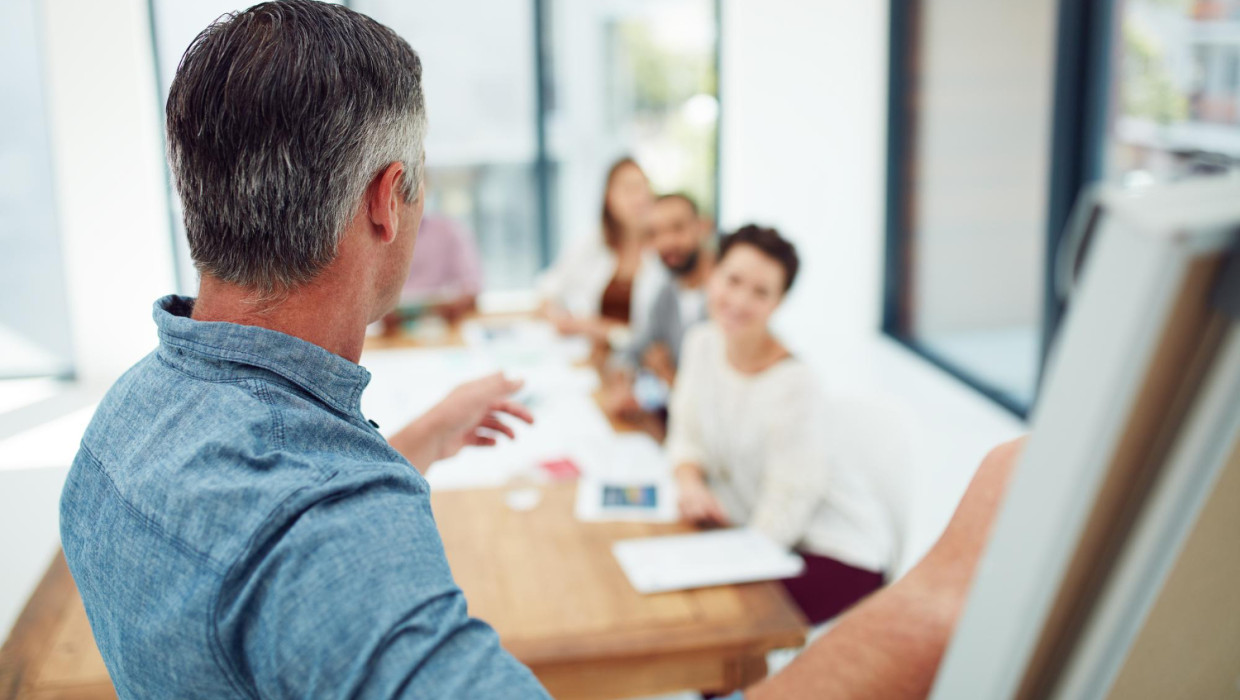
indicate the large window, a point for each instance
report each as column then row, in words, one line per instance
column 34, row 321
column 529, row 101
column 478, row 59
column 629, row 77
column 972, row 113
column 1175, row 109
column 1001, row 114
column 522, row 132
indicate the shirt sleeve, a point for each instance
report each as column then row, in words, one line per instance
column 795, row 473
column 353, row 597
column 648, row 284
column 684, row 433
column 652, row 330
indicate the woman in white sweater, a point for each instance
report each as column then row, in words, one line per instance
column 749, row 435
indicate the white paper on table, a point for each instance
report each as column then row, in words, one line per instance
column 567, row 421
column 716, row 558
column 626, row 460
column 565, row 426
column 637, row 455
column 405, row 383
column 518, row 338
column 551, row 380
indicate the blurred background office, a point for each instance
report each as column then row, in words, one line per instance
column 923, row 155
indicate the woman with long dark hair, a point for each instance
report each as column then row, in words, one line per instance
column 594, row 285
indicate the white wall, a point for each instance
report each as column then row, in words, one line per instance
column 804, row 91
column 478, row 63
column 30, row 523
column 803, row 87
column 110, row 184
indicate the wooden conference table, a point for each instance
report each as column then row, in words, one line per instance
column 547, row 583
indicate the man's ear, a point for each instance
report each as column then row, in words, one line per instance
column 383, row 200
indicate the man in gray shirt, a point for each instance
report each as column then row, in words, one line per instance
column 639, row 375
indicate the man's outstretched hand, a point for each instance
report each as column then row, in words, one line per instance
column 469, row 415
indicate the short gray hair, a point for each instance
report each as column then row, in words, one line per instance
column 278, row 120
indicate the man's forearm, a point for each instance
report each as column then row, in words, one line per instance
column 418, row 442
column 891, row 644
column 887, row 647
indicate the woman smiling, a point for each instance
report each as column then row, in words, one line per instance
column 749, row 434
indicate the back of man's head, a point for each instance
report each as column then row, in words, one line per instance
column 278, row 119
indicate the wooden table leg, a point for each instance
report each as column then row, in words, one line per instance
column 744, row 671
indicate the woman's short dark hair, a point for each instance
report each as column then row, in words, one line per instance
column 769, row 243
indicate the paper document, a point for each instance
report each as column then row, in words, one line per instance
column 720, row 557
column 518, row 339
column 628, row 478
column 629, row 499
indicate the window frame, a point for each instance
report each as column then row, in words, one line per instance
column 1079, row 108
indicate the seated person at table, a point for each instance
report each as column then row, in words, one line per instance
column 685, row 244
column 602, row 281
column 747, row 428
column 445, row 276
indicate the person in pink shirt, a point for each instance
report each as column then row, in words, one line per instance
column 446, row 274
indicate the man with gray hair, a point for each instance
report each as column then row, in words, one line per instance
column 236, row 526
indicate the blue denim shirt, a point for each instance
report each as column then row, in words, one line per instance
column 237, row 528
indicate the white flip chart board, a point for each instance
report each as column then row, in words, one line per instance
column 1138, row 417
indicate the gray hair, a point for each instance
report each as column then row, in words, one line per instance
column 278, row 120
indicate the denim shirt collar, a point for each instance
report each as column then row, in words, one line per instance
column 331, row 378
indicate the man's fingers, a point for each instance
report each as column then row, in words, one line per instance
column 492, row 422
column 514, row 409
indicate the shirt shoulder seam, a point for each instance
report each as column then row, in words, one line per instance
column 181, row 545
